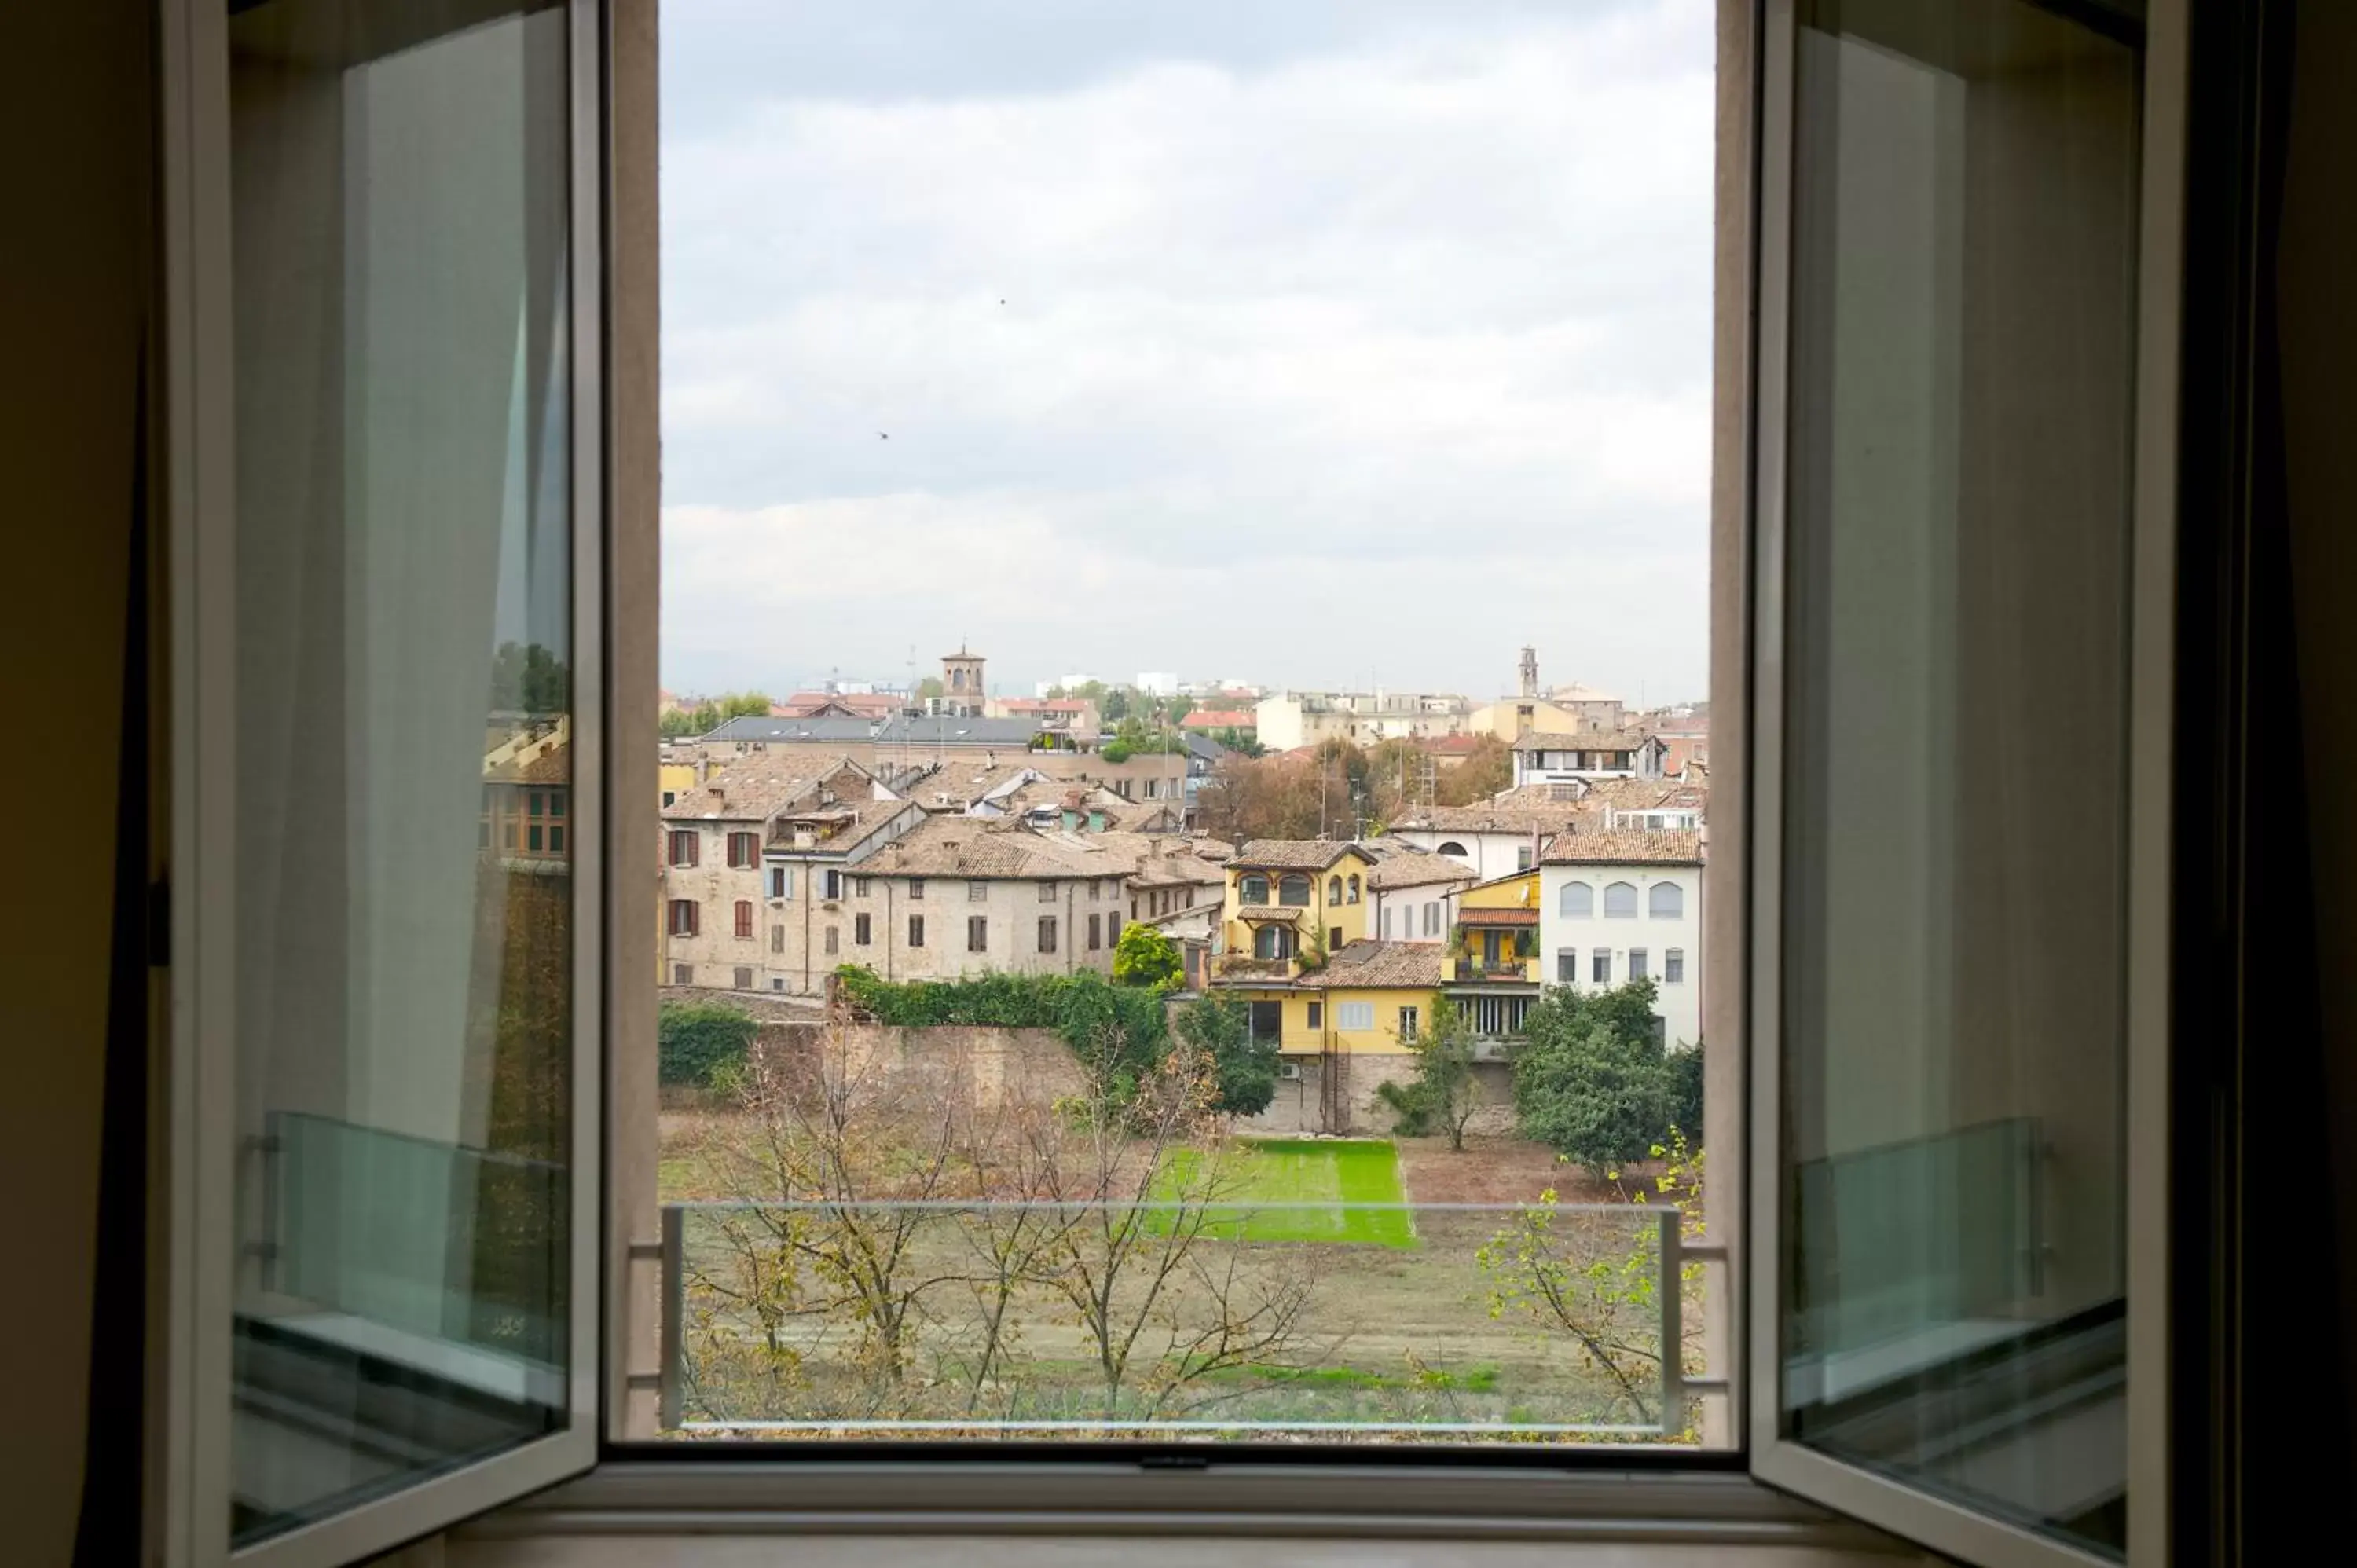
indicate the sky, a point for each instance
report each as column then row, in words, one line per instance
column 1326, row 343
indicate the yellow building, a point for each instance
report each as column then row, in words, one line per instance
column 1493, row 972
column 1292, row 899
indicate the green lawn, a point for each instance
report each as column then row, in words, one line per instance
column 1282, row 1189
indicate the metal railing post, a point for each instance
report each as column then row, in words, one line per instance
column 668, row 1398
column 1674, row 1319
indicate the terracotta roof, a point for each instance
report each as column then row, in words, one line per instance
column 1469, row 916
column 550, row 762
column 1374, row 963
column 1419, row 871
column 1625, row 847
column 1193, row 909
column 1292, row 854
column 1581, row 740
column 1287, row 912
column 978, row 849
column 1547, row 817
column 1220, row 718
column 750, row 789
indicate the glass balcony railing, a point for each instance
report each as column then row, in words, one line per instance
column 1193, row 1319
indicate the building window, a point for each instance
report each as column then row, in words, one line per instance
column 1293, row 890
column 978, row 934
column 1353, row 894
column 859, row 886
column 1576, row 901
column 684, row 845
column 682, row 974
column 1432, row 912
column 1046, row 893
column 916, row 931
column 1093, row 932
column 669, row 795
column 744, row 919
column 1673, row 967
column 1384, row 924
column 556, row 838
column 1408, row 1020
column 1354, row 1017
column 778, row 939
column 1317, row 1015
column 744, row 849
column 833, row 885
column 834, row 940
column 1333, row 890
column 976, row 892
column 1451, row 847
column 744, row 978
column 1047, row 933
column 1333, row 938
column 776, row 983
column 1636, row 963
column 1252, row 889
column 683, row 920
column 532, row 839
column 1666, row 901
column 916, row 889
column 1272, row 942
column 1600, row 970
column 534, row 797
column 1567, row 966
column 556, row 803
column 861, row 931
column 1113, row 930
column 781, row 881
column 1522, row 857
column 1621, row 901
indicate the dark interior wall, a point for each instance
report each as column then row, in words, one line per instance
column 2300, row 1311
column 76, row 284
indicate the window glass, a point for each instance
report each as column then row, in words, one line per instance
column 401, row 1295
column 1578, row 901
column 1964, row 239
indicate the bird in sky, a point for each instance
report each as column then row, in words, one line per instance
column 881, row 436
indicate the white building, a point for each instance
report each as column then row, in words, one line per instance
column 1490, row 841
column 1158, row 682
column 1544, row 758
column 1416, row 897
column 1290, row 719
column 1616, row 906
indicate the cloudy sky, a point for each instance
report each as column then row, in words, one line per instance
column 1319, row 342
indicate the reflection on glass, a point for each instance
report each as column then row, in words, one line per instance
column 1964, row 227
column 403, row 908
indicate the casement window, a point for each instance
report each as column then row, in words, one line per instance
column 859, row 886
column 916, row 931
column 1113, row 930
column 781, row 881
column 744, row 850
column 917, row 890
column 1047, row 892
column 1316, row 1015
column 744, row 919
column 1522, row 857
column 1961, row 362
column 977, row 891
column 834, row 941
column 1333, row 890
column 1352, row 893
column 1384, row 924
column 1094, row 932
column 859, row 930
column 1567, row 966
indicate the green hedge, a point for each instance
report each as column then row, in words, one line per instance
column 697, row 1039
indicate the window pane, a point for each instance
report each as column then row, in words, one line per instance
column 1964, row 235
column 404, row 642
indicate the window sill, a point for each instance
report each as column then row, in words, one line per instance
column 689, row 1496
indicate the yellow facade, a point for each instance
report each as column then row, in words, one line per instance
column 1299, row 1037
column 1337, row 907
column 1498, row 951
column 677, row 779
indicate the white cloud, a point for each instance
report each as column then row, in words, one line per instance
column 1386, row 359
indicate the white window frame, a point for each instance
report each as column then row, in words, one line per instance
column 200, row 1154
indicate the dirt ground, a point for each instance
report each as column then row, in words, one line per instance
column 1505, row 1170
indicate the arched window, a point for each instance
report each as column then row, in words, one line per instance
column 1253, row 888
column 1576, row 902
column 1453, row 847
column 1273, row 941
column 1666, row 901
column 1621, row 901
column 1354, row 887
column 1333, row 890
column 1293, row 889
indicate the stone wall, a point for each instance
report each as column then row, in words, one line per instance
column 993, row 1067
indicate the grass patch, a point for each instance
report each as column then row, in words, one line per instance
column 1282, row 1189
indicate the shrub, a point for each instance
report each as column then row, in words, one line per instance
column 1685, row 1067
column 696, row 1040
column 1592, row 1081
column 1143, row 956
column 1444, row 1094
column 1245, row 1067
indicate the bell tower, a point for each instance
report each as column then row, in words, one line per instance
column 962, row 687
